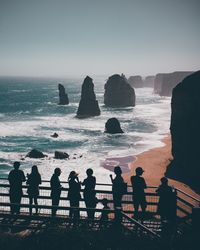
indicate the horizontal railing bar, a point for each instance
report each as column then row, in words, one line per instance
column 183, row 210
column 66, row 182
column 185, row 202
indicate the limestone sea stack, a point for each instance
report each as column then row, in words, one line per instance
column 136, row 81
column 112, row 126
column 185, row 131
column 165, row 82
column 63, row 97
column 118, row 92
column 88, row 105
column 149, row 81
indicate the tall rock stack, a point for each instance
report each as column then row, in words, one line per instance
column 88, row 105
column 136, row 81
column 118, row 92
column 149, row 81
column 164, row 83
column 185, row 131
column 63, row 97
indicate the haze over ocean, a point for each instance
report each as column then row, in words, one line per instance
column 30, row 114
column 70, row 39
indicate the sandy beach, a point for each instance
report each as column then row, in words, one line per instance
column 154, row 162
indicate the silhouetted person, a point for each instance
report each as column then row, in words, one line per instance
column 15, row 178
column 167, row 201
column 138, row 185
column 118, row 185
column 55, row 189
column 74, row 195
column 33, row 181
column 89, row 193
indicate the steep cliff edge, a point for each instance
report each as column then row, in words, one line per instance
column 165, row 82
column 185, row 131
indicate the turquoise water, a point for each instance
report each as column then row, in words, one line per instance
column 29, row 114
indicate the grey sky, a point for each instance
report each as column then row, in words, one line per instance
column 78, row 37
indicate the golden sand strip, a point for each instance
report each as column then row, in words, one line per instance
column 154, row 162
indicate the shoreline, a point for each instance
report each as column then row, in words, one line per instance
column 155, row 161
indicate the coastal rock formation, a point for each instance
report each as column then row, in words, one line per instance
column 63, row 97
column 34, row 153
column 112, row 126
column 88, row 105
column 118, row 92
column 149, row 81
column 165, row 82
column 136, row 81
column 61, row 155
column 185, row 131
column 55, row 135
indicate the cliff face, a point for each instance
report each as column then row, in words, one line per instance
column 63, row 97
column 165, row 82
column 136, row 81
column 149, row 81
column 118, row 92
column 88, row 105
column 185, row 131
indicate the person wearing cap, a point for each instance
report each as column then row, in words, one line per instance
column 74, row 195
column 138, row 185
column 16, row 177
column 89, row 193
column 55, row 189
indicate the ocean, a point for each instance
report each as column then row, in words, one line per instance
column 30, row 114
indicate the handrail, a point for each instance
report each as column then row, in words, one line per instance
column 188, row 195
column 143, row 227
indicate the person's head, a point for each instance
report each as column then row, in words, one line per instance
column 89, row 172
column 16, row 165
column 139, row 171
column 72, row 175
column 34, row 170
column 104, row 202
column 57, row 171
column 164, row 180
column 117, row 170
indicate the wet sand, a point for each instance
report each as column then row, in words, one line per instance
column 154, row 162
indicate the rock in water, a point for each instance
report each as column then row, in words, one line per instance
column 165, row 82
column 185, row 131
column 34, row 153
column 112, row 126
column 61, row 155
column 118, row 92
column 63, row 97
column 136, row 81
column 88, row 105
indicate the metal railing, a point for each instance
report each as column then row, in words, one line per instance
column 185, row 202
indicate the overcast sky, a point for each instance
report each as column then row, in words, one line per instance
column 79, row 37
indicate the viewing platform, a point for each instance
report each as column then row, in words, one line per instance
column 148, row 226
